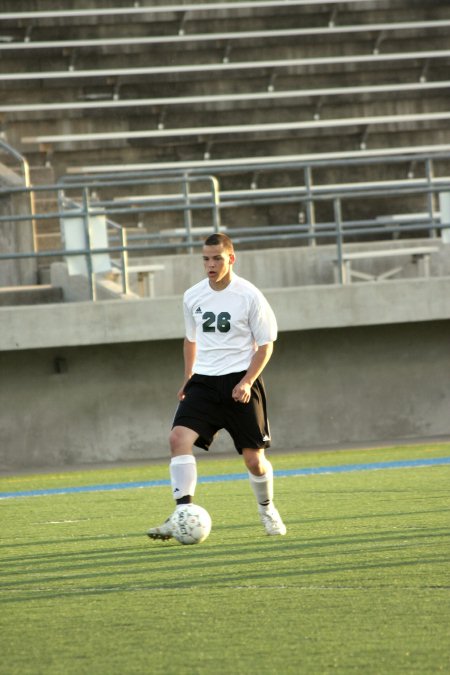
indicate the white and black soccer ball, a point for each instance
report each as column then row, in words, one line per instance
column 191, row 524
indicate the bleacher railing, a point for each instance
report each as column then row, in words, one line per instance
column 87, row 193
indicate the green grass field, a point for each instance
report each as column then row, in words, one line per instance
column 360, row 584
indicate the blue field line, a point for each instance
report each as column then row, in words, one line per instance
column 283, row 473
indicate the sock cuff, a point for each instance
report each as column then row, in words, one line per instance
column 261, row 479
column 182, row 459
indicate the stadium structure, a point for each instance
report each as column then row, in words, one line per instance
column 316, row 134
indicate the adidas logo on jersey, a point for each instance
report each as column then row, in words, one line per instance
column 198, row 310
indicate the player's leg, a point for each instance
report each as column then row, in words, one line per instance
column 260, row 474
column 193, row 424
column 248, row 425
column 183, row 475
column 183, row 467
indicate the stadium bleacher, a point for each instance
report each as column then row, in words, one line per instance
column 109, row 88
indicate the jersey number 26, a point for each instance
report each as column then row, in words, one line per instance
column 211, row 321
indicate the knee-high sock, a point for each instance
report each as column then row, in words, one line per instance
column 183, row 476
column 262, row 486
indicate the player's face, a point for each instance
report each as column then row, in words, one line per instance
column 218, row 265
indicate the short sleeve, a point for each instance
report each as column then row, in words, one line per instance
column 263, row 323
column 189, row 322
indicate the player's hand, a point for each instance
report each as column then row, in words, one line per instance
column 181, row 395
column 242, row 392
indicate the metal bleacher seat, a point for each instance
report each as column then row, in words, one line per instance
column 209, row 68
column 247, row 97
column 330, row 38
column 225, row 36
column 164, row 9
column 239, row 129
column 236, row 163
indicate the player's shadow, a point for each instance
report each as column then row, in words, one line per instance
column 170, row 566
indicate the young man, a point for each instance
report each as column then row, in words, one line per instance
column 230, row 329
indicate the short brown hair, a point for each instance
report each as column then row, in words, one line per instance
column 218, row 239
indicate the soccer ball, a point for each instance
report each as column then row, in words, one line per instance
column 191, row 524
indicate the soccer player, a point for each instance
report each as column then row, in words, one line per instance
column 230, row 330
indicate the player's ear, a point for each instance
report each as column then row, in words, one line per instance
column 232, row 258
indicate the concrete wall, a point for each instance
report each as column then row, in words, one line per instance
column 267, row 268
column 93, row 382
column 296, row 265
column 15, row 237
column 299, row 308
column 70, row 405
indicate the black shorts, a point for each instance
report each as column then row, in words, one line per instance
column 209, row 407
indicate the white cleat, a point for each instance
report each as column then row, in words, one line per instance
column 163, row 532
column 272, row 522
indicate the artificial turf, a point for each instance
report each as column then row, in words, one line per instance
column 361, row 582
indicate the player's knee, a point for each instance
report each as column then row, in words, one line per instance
column 175, row 440
column 255, row 461
column 180, row 441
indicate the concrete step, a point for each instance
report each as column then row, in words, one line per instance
column 49, row 241
column 42, row 175
column 30, row 295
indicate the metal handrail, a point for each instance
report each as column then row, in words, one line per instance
column 26, row 178
column 164, row 245
column 71, row 208
column 308, row 195
column 328, row 196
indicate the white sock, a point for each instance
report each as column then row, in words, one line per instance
column 183, row 475
column 262, row 487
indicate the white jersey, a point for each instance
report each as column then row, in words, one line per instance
column 227, row 325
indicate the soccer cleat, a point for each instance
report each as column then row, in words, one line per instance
column 272, row 522
column 163, row 532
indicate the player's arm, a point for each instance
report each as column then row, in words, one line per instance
column 189, row 352
column 242, row 390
